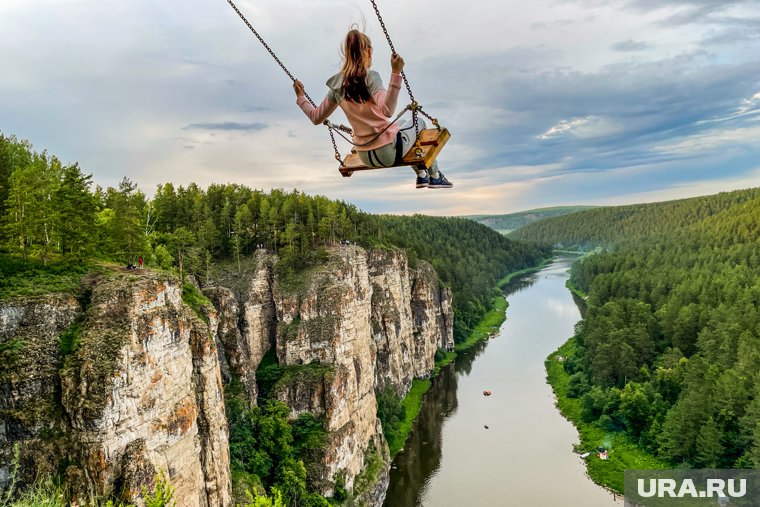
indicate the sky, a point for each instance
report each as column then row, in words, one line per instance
column 549, row 102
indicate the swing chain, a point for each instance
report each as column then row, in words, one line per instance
column 434, row 121
column 282, row 66
column 335, row 147
column 266, row 46
column 339, row 126
column 393, row 49
column 415, row 107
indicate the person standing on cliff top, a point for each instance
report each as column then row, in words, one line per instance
column 359, row 92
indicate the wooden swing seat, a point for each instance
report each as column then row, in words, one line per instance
column 431, row 140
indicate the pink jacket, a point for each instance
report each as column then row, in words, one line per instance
column 366, row 119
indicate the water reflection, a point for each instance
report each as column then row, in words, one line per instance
column 419, row 461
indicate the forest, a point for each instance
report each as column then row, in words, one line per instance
column 669, row 348
column 584, row 230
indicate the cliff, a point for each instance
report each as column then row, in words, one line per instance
column 128, row 380
column 30, row 407
column 411, row 318
column 135, row 388
column 359, row 322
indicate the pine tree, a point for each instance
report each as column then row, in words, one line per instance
column 126, row 233
column 709, row 447
column 75, row 213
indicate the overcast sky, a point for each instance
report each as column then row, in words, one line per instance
column 550, row 102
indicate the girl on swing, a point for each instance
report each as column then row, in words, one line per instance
column 368, row 106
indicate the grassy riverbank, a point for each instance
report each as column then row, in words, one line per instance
column 623, row 452
column 572, row 287
column 444, row 361
column 511, row 276
column 489, row 325
column 412, row 404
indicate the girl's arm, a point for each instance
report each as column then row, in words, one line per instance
column 316, row 114
column 387, row 99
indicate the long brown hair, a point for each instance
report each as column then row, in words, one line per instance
column 355, row 66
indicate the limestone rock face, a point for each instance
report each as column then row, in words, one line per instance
column 327, row 321
column 305, row 391
column 247, row 322
column 124, row 382
column 433, row 315
column 392, row 321
column 359, row 322
column 146, row 370
column 411, row 319
column 139, row 387
column 29, row 363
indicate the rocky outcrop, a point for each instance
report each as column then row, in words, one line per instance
column 361, row 321
column 134, row 388
column 146, row 371
column 29, row 400
column 392, row 322
column 433, row 314
column 247, row 320
column 411, row 319
column 326, row 320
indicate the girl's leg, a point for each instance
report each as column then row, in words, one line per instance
column 383, row 156
column 406, row 127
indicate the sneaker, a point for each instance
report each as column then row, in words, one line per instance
column 423, row 181
column 439, row 182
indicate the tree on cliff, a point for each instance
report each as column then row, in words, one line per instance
column 74, row 207
column 126, row 236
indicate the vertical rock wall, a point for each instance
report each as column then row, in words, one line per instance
column 247, row 321
column 411, row 318
column 135, row 387
column 326, row 320
column 392, row 321
column 360, row 322
column 29, row 383
column 145, row 384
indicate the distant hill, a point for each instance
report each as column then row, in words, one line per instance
column 610, row 225
column 513, row 221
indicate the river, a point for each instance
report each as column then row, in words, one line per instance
column 525, row 456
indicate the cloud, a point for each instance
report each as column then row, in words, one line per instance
column 586, row 127
column 227, row 126
column 734, row 33
column 751, row 104
column 703, row 6
column 630, row 45
column 623, row 108
column 685, row 12
column 749, row 108
column 711, row 140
